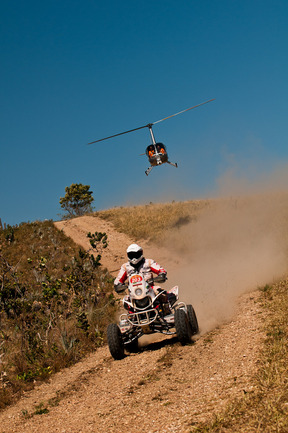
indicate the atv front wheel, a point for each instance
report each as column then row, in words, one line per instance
column 182, row 326
column 115, row 341
column 192, row 319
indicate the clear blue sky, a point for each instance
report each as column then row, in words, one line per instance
column 76, row 71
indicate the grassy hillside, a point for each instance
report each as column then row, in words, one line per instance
column 153, row 220
column 55, row 303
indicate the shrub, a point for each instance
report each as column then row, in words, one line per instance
column 55, row 303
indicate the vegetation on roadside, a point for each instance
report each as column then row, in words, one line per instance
column 265, row 408
column 152, row 221
column 55, row 303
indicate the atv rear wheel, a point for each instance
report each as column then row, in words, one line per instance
column 182, row 326
column 115, row 341
column 192, row 319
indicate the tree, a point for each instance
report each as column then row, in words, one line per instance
column 77, row 200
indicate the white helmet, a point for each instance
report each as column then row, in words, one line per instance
column 135, row 254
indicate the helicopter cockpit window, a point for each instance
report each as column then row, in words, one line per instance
column 150, row 150
column 161, row 148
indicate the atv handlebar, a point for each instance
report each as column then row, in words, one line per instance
column 159, row 279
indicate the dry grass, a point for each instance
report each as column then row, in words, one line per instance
column 265, row 409
column 151, row 221
column 55, row 304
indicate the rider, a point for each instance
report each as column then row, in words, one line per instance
column 138, row 263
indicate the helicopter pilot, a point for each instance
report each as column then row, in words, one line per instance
column 151, row 151
column 160, row 149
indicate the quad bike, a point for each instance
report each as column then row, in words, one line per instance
column 148, row 313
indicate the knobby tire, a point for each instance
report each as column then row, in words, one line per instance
column 182, row 326
column 192, row 319
column 115, row 341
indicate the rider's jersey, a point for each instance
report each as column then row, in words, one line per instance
column 148, row 267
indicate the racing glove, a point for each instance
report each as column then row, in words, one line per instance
column 162, row 276
column 119, row 288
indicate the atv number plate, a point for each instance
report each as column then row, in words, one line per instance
column 136, row 279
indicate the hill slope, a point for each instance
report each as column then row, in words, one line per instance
column 164, row 388
column 115, row 254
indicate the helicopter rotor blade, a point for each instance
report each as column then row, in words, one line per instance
column 121, row 133
column 149, row 125
column 183, row 111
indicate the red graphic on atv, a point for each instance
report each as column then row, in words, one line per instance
column 136, row 279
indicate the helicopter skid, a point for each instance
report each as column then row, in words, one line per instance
column 151, row 166
column 172, row 163
column 156, row 152
column 148, row 170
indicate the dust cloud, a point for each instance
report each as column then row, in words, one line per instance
column 235, row 246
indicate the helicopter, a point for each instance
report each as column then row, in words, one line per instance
column 156, row 152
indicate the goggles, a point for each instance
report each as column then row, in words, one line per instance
column 134, row 254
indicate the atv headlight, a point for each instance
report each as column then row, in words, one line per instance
column 138, row 292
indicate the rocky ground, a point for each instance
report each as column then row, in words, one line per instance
column 164, row 388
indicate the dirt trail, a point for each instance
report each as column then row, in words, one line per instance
column 115, row 254
column 164, row 388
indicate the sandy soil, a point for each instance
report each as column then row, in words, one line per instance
column 164, row 388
